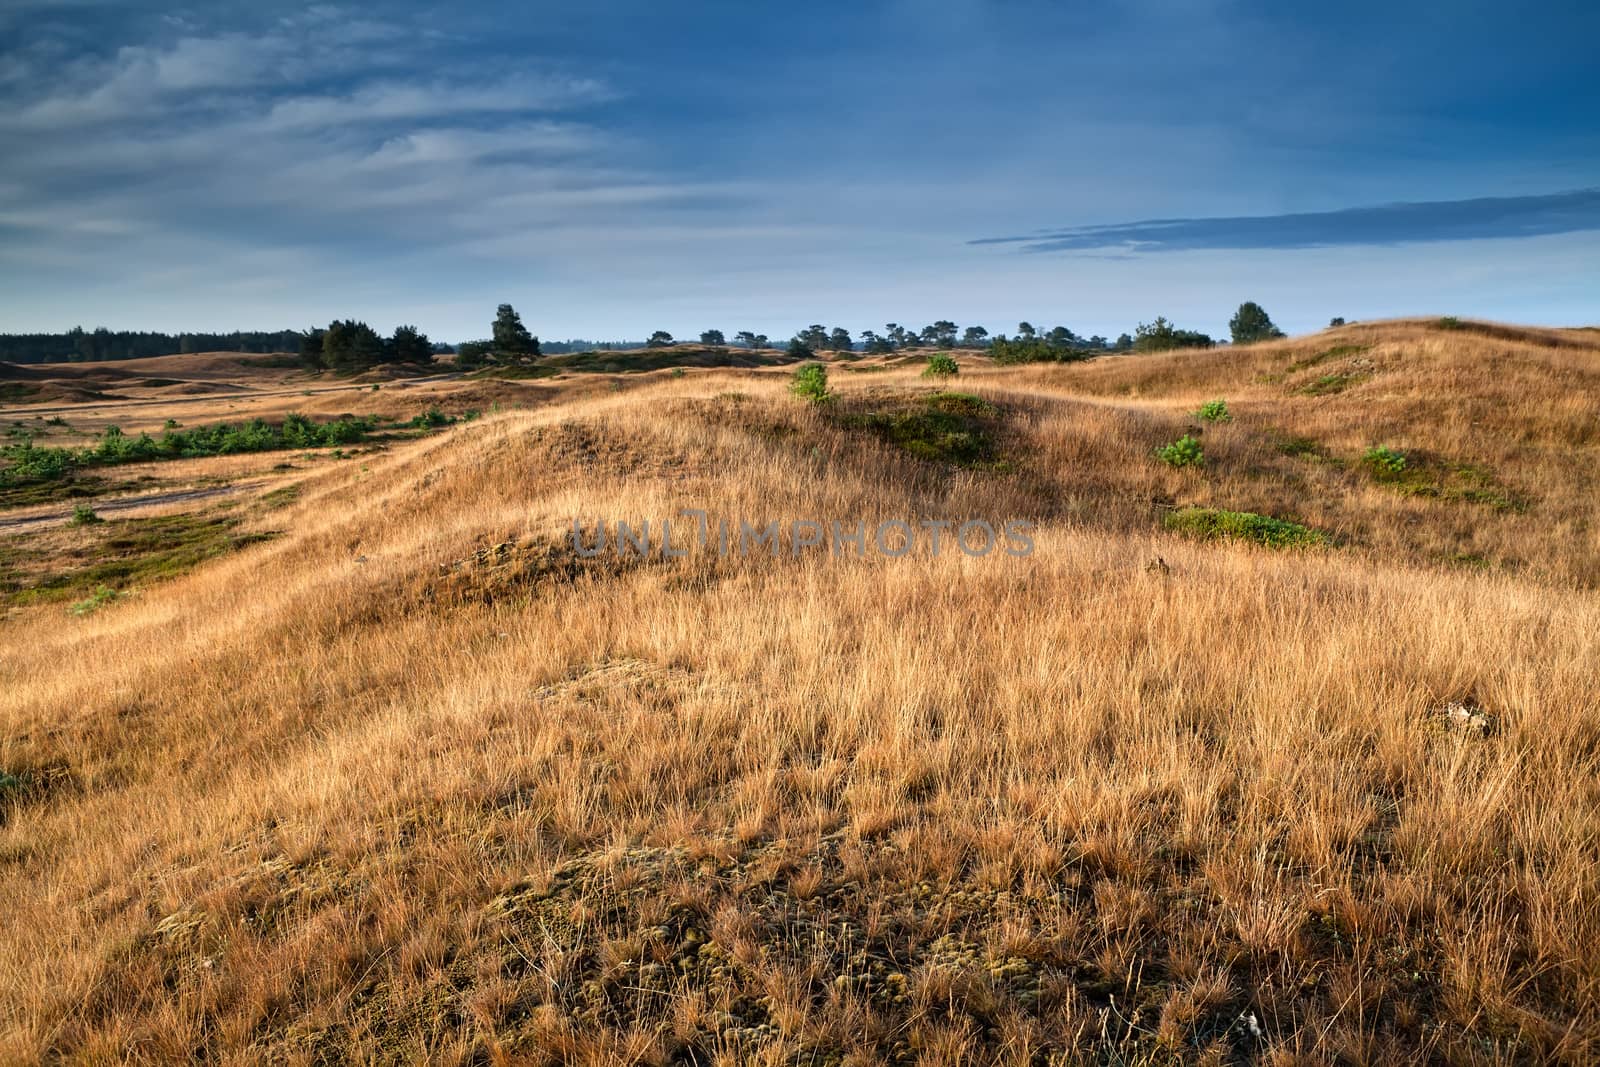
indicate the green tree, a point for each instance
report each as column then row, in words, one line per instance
column 1251, row 323
column 512, row 341
column 1025, row 331
column 1161, row 335
column 1337, row 320
column 873, row 345
column 751, row 340
column 712, row 337
column 839, row 340
column 351, row 347
column 974, row 337
column 798, row 349
column 410, row 345
column 311, row 349
column 660, row 339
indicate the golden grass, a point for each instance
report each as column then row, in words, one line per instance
column 378, row 789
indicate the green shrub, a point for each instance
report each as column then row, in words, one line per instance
column 84, row 515
column 102, row 596
column 1212, row 523
column 1215, row 411
column 810, row 382
column 941, row 365
column 1384, row 462
column 1184, row 452
column 1450, row 322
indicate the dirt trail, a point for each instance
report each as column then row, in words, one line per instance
column 38, row 520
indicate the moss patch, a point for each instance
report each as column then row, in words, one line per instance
column 1214, row 523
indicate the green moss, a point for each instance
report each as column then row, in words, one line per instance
column 1215, row 523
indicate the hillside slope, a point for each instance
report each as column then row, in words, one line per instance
column 414, row 780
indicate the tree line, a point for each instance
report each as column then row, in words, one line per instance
column 350, row 346
column 78, row 345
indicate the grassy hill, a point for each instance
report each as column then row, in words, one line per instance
column 400, row 776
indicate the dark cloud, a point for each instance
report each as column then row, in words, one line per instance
column 1389, row 224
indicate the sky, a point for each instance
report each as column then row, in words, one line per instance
column 613, row 168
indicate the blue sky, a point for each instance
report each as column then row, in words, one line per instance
column 614, row 168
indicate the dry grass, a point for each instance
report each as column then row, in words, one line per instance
column 410, row 782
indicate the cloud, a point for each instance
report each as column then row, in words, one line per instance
column 1388, row 224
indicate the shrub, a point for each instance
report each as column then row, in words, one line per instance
column 811, row 383
column 1215, row 411
column 1450, row 322
column 1212, row 523
column 941, row 365
column 84, row 515
column 1384, row 462
column 102, row 596
column 1184, row 452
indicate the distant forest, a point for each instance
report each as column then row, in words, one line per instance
column 83, row 346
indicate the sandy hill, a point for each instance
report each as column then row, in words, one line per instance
column 1289, row 754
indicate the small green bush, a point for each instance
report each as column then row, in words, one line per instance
column 941, row 365
column 1212, row 523
column 1215, row 411
column 811, row 383
column 84, row 515
column 102, row 596
column 1450, row 322
column 1184, row 452
column 1384, row 462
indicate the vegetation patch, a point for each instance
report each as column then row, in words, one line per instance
column 28, row 462
column 1303, row 448
column 126, row 553
column 17, row 392
column 941, row 365
column 1214, row 411
column 946, row 427
column 1329, row 384
column 1418, row 474
column 1184, row 452
column 810, row 382
column 1215, row 523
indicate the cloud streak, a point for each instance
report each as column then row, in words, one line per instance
column 1389, row 224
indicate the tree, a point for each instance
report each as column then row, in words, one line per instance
column 1251, row 323
column 873, row 345
column 1025, row 331
column 896, row 334
column 1061, row 337
column 815, row 336
column 712, row 337
column 751, row 340
column 1337, row 320
column 409, row 345
column 351, row 347
column 839, row 340
column 1161, row 335
column 311, row 349
column 512, row 341
column 941, row 334
column 974, row 337
column 798, row 349
column 1124, row 342
column 660, row 339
